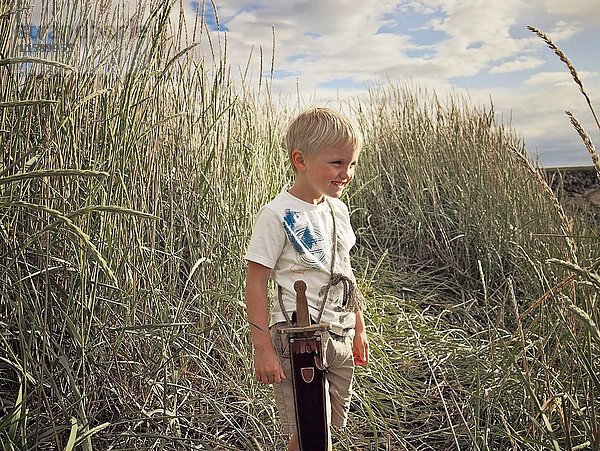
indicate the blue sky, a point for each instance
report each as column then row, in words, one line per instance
column 334, row 49
column 329, row 50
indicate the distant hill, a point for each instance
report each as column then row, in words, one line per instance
column 576, row 184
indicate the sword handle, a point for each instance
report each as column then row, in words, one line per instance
column 302, row 317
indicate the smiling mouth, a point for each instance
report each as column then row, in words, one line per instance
column 340, row 184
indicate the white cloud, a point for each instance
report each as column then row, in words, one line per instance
column 416, row 6
column 561, row 78
column 478, row 37
column 585, row 11
column 538, row 115
column 550, row 78
column 563, row 31
column 454, row 38
column 517, row 64
column 337, row 42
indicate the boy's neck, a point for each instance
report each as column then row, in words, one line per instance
column 299, row 191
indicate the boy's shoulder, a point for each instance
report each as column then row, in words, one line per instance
column 282, row 198
column 277, row 206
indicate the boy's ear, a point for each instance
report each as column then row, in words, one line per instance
column 298, row 160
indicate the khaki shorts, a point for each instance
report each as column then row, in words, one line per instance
column 339, row 363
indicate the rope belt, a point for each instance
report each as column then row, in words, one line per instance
column 349, row 300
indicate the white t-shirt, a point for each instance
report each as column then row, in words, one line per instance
column 294, row 239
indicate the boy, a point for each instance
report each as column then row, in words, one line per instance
column 293, row 239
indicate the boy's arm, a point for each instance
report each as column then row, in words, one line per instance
column 266, row 363
column 360, row 345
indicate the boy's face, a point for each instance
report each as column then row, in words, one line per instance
column 327, row 172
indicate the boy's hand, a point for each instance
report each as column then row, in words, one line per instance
column 360, row 348
column 360, row 345
column 267, row 366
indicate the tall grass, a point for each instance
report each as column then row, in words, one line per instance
column 492, row 327
column 472, row 245
column 131, row 170
column 447, row 189
column 121, row 328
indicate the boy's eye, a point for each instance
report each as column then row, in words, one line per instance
column 336, row 162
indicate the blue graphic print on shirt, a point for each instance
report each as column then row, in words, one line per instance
column 306, row 239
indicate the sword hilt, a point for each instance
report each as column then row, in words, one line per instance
column 303, row 324
column 302, row 316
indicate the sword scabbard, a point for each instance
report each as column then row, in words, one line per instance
column 308, row 375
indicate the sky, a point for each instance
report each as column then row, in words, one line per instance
column 333, row 49
column 480, row 49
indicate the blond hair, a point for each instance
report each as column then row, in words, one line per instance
column 317, row 128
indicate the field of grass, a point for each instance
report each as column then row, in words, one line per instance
column 131, row 172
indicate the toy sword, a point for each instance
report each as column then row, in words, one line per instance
column 308, row 375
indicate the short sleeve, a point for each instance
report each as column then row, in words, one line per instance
column 345, row 227
column 268, row 239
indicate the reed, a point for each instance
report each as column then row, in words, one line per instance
column 561, row 55
column 120, row 292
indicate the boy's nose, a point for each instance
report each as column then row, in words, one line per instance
column 346, row 174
